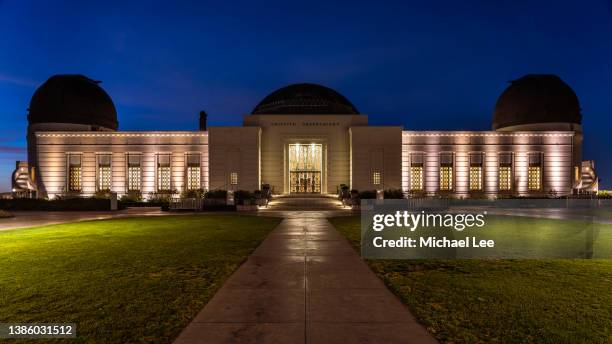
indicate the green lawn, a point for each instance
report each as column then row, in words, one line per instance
column 515, row 237
column 502, row 301
column 125, row 280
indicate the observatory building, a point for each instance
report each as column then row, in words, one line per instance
column 305, row 138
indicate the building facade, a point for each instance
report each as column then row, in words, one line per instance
column 305, row 138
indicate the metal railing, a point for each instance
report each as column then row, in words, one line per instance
column 194, row 204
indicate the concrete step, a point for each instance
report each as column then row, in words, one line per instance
column 294, row 202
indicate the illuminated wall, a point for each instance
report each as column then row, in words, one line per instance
column 329, row 131
column 556, row 149
column 366, row 157
column 54, row 147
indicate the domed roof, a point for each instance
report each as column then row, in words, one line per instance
column 536, row 98
column 74, row 99
column 304, row 99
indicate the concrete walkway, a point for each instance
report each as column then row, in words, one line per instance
column 25, row 219
column 304, row 284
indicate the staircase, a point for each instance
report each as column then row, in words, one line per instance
column 305, row 203
column 589, row 183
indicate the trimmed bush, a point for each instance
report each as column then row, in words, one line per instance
column 5, row 214
column 131, row 196
column 197, row 193
column 102, row 194
column 216, row 194
column 368, row 194
column 242, row 197
column 161, row 197
column 134, row 204
column 343, row 192
column 394, row 194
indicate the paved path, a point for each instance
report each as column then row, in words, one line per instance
column 24, row 219
column 304, row 284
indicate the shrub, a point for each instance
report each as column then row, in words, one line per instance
column 416, row 194
column 5, row 214
column 240, row 196
column 162, row 197
column 102, row 194
column 604, row 194
column 131, row 196
column 197, row 193
column 394, row 194
column 135, row 199
column 265, row 191
column 216, row 194
column 343, row 192
column 368, row 194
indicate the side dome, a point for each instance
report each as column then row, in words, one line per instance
column 72, row 99
column 536, row 99
column 305, row 99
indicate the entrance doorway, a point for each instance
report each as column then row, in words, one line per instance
column 305, row 164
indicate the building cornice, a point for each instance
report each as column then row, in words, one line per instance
column 124, row 134
column 488, row 134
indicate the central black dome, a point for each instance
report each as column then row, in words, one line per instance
column 73, row 99
column 305, row 99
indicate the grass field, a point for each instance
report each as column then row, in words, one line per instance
column 502, row 301
column 125, row 280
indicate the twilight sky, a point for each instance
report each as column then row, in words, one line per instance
column 439, row 65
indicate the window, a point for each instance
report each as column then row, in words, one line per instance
column 446, row 171
column 476, row 160
column 133, row 161
column 446, row 178
column 163, row 172
column 234, row 178
column 104, row 172
column 416, row 172
column 74, row 172
column 193, row 171
column 376, row 178
column 505, row 171
column 534, row 174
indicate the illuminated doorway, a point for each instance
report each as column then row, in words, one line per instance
column 305, row 165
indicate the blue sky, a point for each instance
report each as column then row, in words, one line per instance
column 424, row 65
